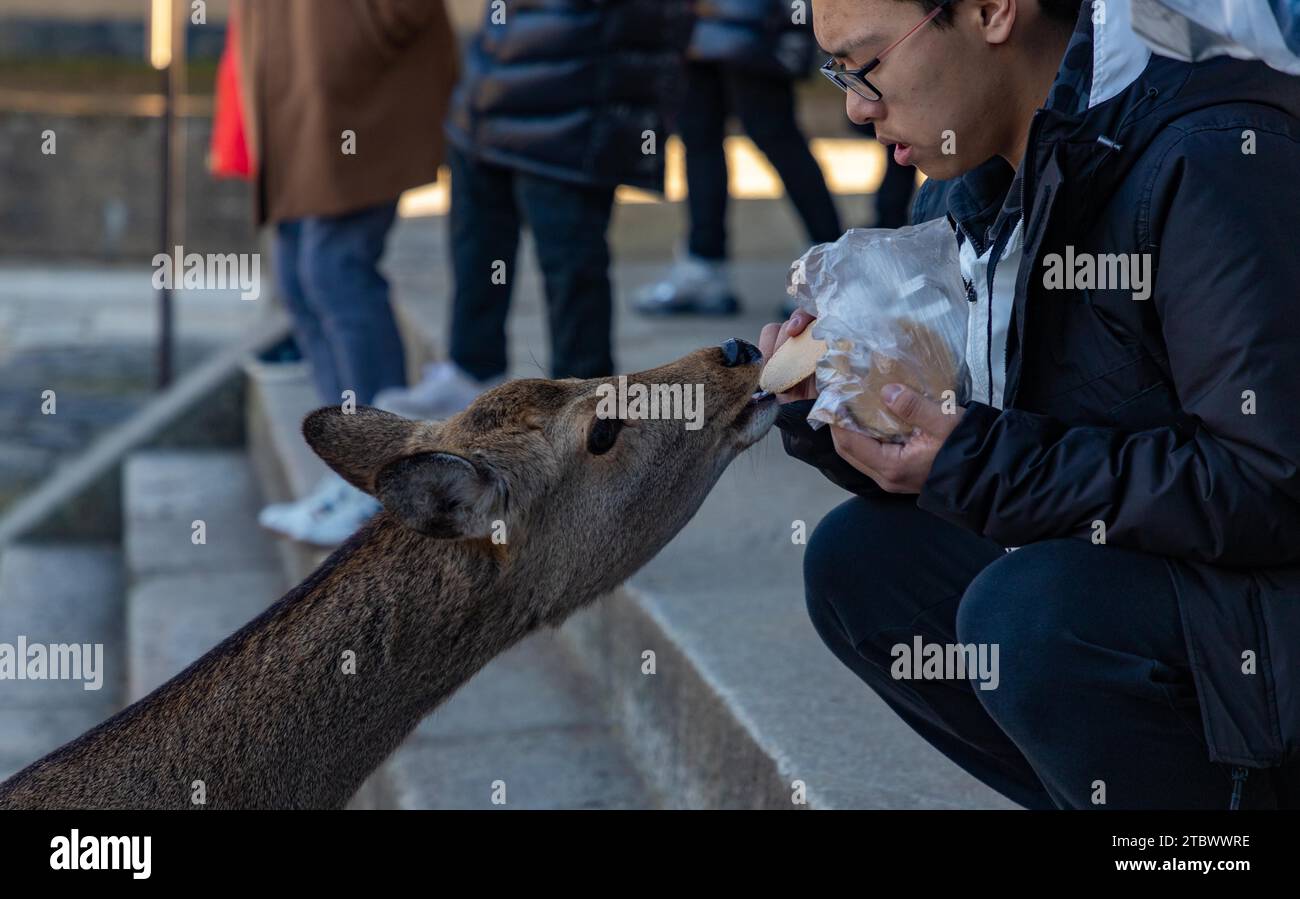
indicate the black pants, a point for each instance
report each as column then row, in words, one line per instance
column 1094, row 692
column 765, row 106
column 489, row 204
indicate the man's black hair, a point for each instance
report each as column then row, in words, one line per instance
column 1062, row 12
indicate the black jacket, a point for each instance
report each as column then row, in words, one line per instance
column 1172, row 420
column 568, row 89
column 758, row 36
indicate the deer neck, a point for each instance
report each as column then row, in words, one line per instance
column 297, row 708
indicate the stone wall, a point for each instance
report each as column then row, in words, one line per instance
column 98, row 9
column 97, row 197
column 117, row 27
column 103, row 38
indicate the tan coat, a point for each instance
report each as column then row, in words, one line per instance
column 311, row 70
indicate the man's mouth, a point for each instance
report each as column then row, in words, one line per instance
column 902, row 151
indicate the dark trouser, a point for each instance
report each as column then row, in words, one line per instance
column 1093, row 682
column 328, row 274
column 765, row 106
column 489, row 204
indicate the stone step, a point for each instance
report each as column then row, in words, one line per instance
column 185, row 596
column 279, row 397
column 529, row 719
column 59, row 594
column 531, row 722
column 746, row 699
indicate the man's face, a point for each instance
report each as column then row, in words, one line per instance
column 939, row 87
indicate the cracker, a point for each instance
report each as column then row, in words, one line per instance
column 795, row 360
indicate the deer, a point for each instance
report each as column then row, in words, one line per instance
column 501, row 520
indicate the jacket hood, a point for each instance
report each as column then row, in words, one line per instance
column 1112, row 97
column 1108, row 71
column 1109, row 101
column 1192, row 30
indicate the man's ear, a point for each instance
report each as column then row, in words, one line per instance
column 357, row 444
column 442, row 495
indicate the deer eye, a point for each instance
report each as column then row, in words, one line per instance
column 604, row 432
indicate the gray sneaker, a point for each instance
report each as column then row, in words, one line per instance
column 444, row 390
column 693, row 286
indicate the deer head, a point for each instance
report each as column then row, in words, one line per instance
column 543, row 478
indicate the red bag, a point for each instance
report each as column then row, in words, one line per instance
column 229, row 150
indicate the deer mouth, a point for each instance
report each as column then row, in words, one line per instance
column 755, row 417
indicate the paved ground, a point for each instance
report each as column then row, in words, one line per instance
column 42, row 306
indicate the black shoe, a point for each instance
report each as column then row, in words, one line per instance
column 689, row 305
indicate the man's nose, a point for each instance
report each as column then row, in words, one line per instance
column 740, row 352
column 859, row 109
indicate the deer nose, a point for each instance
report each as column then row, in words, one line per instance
column 740, row 352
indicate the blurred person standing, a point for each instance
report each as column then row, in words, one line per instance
column 344, row 102
column 562, row 101
column 744, row 57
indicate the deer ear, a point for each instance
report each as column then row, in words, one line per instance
column 357, row 444
column 442, row 495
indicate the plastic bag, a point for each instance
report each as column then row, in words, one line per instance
column 892, row 308
column 1192, row 30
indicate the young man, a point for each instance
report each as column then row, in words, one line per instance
column 1131, row 430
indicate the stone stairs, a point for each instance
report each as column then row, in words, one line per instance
column 69, row 593
column 185, row 597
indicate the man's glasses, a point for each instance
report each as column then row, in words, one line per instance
column 856, row 79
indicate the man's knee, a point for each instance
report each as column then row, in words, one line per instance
column 844, row 545
column 1062, row 587
column 828, row 545
column 1015, row 592
column 856, row 567
column 1031, row 608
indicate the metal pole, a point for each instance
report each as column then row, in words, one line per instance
column 164, row 353
column 168, row 53
column 180, row 90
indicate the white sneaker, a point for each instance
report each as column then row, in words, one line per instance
column 693, row 286
column 444, row 390
column 327, row 516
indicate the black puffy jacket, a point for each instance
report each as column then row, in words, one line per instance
column 1174, row 420
column 772, row 37
column 569, row 89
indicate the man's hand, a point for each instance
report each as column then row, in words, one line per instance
column 776, row 333
column 900, row 467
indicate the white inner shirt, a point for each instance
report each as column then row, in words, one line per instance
column 986, row 329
